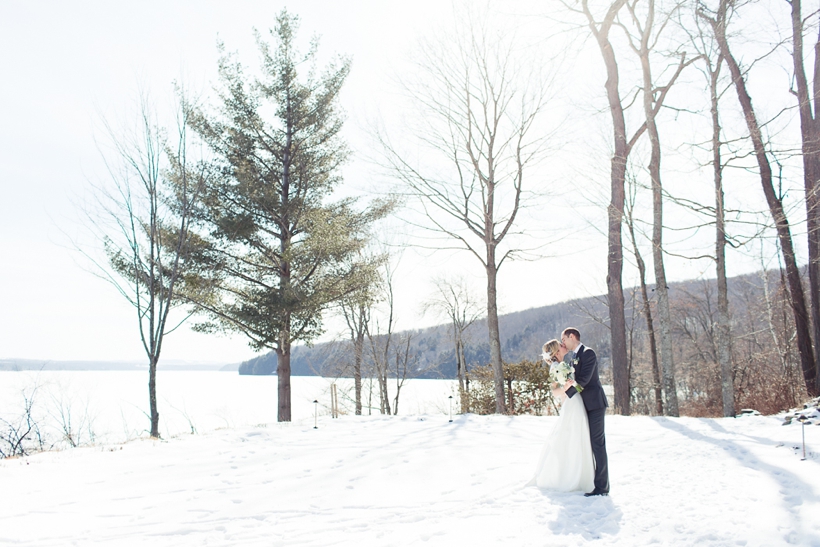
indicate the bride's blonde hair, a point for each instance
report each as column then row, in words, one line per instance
column 551, row 348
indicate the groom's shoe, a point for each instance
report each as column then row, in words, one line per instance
column 596, row 492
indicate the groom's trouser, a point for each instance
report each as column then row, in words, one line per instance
column 596, row 437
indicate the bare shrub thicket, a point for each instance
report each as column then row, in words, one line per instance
column 44, row 416
column 765, row 365
column 527, row 389
column 21, row 434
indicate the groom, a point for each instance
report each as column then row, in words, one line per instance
column 592, row 393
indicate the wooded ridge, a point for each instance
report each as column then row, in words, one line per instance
column 522, row 333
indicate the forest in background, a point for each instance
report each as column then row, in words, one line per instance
column 764, row 365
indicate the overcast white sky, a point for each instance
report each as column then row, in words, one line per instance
column 65, row 65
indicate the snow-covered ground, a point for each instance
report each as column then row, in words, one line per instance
column 419, row 480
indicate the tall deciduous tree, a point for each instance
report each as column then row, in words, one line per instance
column 646, row 36
column 711, row 63
column 278, row 252
column 808, row 101
column 718, row 20
column 479, row 105
column 615, row 212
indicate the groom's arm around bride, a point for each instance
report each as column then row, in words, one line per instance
column 586, row 376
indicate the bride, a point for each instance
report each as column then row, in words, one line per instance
column 566, row 463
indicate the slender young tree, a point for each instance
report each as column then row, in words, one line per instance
column 453, row 300
column 389, row 350
column 711, row 63
column 646, row 307
column 145, row 222
column 718, row 19
column 643, row 40
column 356, row 310
column 275, row 251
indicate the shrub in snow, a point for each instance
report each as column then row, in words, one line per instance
column 526, row 387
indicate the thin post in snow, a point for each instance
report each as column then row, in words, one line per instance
column 334, row 401
column 315, row 414
column 802, row 419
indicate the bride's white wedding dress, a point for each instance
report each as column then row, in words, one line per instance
column 566, row 463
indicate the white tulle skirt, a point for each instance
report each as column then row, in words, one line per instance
column 566, row 463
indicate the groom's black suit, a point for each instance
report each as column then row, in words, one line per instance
column 586, row 375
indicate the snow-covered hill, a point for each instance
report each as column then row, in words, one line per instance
column 420, row 481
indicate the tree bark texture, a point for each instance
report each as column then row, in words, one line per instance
column 775, row 203
column 810, row 136
column 152, row 396
column 495, row 336
column 283, row 381
column 723, row 335
column 461, row 366
column 358, row 351
column 615, row 211
column 650, row 324
column 661, row 289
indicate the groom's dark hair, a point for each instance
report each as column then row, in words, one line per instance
column 573, row 331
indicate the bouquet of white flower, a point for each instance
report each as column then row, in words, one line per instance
column 560, row 372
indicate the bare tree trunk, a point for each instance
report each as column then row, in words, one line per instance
column 664, row 316
column 775, row 202
column 152, row 396
column 665, row 320
column 615, row 211
column 495, row 336
column 647, row 313
column 810, row 134
column 380, row 355
column 358, row 350
column 723, row 327
column 615, row 294
column 283, row 380
column 356, row 312
column 385, row 395
column 380, row 347
column 462, row 373
column 402, row 369
column 653, row 347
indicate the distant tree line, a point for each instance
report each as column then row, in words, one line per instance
column 765, row 370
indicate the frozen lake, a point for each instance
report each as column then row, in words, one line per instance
column 112, row 406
